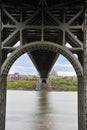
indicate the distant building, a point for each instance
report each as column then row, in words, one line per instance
column 53, row 74
column 67, row 75
column 17, row 76
column 28, row 77
column 70, row 77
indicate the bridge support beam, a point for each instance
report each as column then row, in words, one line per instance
column 80, row 103
column 84, row 79
column 43, row 84
column 3, row 82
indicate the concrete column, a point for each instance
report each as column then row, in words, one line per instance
column 38, row 87
column 3, row 82
column 85, row 73
column 2, row 87
column 44, row 84
column 80, row 103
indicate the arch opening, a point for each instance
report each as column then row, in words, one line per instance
column 63, row 76
column 38, row 46
column 63, row 67
column 23, row 65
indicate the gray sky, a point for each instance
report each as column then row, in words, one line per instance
column 24, row 65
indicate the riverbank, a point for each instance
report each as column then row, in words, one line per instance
column 60, row 84
column 21, row 85
column 57, row 84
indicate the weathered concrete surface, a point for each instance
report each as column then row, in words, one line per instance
column 3, row 85
column 84, row 80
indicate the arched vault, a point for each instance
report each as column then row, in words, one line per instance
column 48, row 46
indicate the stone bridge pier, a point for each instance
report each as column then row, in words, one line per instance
column 3, row 85
column 44, row 84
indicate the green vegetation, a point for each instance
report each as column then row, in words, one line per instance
column 64, row 84
column 57, row 83
column 21, row 84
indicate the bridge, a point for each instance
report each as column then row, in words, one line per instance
column 44, row 27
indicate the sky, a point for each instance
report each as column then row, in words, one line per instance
column 24, row 65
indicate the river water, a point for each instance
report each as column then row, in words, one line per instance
column 32, row 110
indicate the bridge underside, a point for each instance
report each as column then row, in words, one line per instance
column 52, row 24
column 43, row 60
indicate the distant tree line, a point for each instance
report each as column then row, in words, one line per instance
column 58, row 84
column 64, row 84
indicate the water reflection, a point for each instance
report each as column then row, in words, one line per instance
column 56, row 111
column 43, row 110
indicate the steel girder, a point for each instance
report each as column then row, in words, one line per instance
column 42, row 23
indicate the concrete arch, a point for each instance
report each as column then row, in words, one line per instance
column 39, row 46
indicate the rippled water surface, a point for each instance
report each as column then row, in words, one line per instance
column 32, row 110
